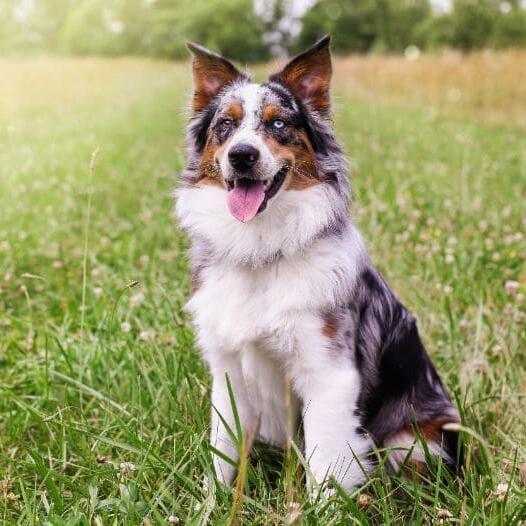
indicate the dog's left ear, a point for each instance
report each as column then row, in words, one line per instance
column 308, row 75
column 211, row 74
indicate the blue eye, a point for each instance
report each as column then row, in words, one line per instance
column 278, row 123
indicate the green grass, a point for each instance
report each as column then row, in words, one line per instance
column 93, row 378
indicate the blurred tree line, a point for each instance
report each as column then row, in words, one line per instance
column 251, row 30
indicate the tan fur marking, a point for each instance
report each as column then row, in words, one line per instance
column 209, row 173
column 271, row 112
column 302, row 159
column 195, row 280
column 235, row 111
column 330, row 326
column 432, row 430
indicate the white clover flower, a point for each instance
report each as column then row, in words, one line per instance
column 97, row 292
column 512, row 287
column 146, row 336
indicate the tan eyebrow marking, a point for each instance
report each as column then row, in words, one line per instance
column 271, row 112
column 235, row 111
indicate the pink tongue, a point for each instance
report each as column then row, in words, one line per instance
column 245, row 199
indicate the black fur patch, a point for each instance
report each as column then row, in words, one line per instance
column 400, row 386
column 200, row 125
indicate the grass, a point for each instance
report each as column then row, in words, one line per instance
column 103, row 398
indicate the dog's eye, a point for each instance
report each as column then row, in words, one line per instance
column 226, row 123
column 278, row 124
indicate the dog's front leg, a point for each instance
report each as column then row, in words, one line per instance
column 223, row 420
column 334, row 445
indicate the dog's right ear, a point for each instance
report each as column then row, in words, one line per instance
column 211, row 74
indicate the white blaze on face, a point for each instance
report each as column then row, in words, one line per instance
column 251, row 96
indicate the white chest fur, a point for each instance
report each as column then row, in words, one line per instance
column 261, row 323
column 237, row 305
column 266, row 324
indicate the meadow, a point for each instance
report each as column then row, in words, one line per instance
column 103, row 398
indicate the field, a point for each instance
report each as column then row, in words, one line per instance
column 103, row 398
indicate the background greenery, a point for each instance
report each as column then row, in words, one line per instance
column 160, row 27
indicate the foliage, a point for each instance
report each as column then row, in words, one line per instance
column 392, row 25
column 253, row 30
column 228, row 26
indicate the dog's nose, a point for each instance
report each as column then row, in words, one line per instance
column 243, row 156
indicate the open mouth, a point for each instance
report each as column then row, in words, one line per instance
column 247, row 197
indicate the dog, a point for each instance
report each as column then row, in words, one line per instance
column 298, row 328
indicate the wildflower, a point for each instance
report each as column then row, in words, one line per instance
column 463, row 324
column 144, row 260
column 12, row 497
column 364, row 500
column 126, row 326
column 497, row 350
column 136, row 300
column 443, row 515
column 483, row 226
column 4, row 486
column 102, row 459
column 172, row 519
column 506, row 212
column 293, row 513
column 146, row 336
column 511, row 287
column 501, row 491
column 58, row 264
column 127, row 468
column 448, row 290
column 449, row 259
column 97, row 292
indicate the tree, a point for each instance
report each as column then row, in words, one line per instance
column 230, row 27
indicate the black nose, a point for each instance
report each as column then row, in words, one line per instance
column 243, row 157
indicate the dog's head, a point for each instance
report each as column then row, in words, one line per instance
column 258, row 141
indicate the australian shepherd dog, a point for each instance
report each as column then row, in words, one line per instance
column 293, row 320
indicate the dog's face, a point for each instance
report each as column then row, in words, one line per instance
column 257, row 141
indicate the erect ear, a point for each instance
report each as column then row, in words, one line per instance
column 211, row 74
column 308, row 75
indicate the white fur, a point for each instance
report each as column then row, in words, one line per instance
column 259, row 320
column 287, row 225
column 406, row 445
column 251, row 95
